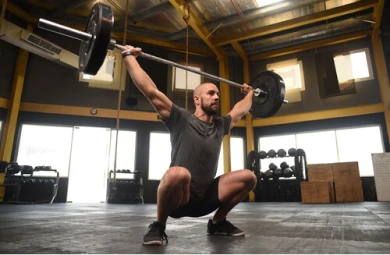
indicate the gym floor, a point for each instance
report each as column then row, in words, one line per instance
column 270, row 228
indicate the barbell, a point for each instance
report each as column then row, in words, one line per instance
column 268, row 87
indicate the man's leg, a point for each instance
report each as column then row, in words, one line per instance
column 173, row 191
column 232, row 188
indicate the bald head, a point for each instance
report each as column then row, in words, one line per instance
column 199, row 90
column 206, row 99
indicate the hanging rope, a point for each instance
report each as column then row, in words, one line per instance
column 120, row 96
column 186, row 18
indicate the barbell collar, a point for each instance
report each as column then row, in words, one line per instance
column 64, row 30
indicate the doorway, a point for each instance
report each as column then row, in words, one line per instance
column 89, row 165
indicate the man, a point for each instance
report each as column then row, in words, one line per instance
column 188, row 187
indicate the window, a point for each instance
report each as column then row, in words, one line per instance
column 236, row 155
column 262, row 3
column 183, row 77
column 125, row 151
column 352, row 66
column 331, row 146
column 159, row 155
column 291, row 72
column 45, row 146
column 320, row 147
column 110, row 75
column 358, row 144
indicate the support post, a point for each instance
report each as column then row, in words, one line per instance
column 14, row 104
column 225, row 108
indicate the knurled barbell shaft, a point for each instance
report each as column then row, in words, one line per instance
column 82, row 36
column 164, row 61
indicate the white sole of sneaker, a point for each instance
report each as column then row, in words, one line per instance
column 225, row 234
column 153, row 243
column 238, row 234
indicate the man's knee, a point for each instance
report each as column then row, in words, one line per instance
column 249, row 178
column 177, row 176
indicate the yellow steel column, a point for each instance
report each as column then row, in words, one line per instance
column 250, row 137
column 250, row 140
column 383, row 76
column 225, row 109
column 14, row 104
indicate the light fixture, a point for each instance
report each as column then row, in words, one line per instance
column 262, row 3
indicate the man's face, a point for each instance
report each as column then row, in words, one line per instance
column 209, row 100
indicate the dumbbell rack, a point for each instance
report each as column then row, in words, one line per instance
column 23, row 187
column 266, row 188
column 298, row 167
column 127, row 190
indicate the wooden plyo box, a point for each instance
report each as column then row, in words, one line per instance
column 346, row 171
column 322, row 173
column 349, row 191
column 316, row 192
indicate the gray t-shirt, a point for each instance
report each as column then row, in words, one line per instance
column 196, row 145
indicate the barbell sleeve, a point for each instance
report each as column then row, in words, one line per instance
column 64, row 30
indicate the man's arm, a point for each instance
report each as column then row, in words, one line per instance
column 145, row 84
column 242, row 107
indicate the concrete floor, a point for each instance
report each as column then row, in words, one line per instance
column 270, row 228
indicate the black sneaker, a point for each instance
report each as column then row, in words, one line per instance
column 223, row 228
column 155, row 235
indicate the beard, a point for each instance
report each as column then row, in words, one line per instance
column 209, row 109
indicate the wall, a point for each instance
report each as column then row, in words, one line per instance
column 8, row 56
column 367, row 92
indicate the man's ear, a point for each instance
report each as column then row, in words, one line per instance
column 196, row 100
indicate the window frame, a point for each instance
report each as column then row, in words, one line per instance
column 190, row 65
column 292, row 94
column 369, row 65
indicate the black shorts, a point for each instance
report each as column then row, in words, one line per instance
column 198, row 208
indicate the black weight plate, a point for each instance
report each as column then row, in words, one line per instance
column 264, row 106
column 92, row 53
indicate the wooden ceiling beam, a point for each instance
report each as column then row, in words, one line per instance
column 198, row 27
column 180, row 47
column 297, row 22
column 310, row 45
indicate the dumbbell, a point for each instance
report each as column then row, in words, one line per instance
column 262, row 154
column 281, row 153
column 286, row 171
column 271, row 153
column 293, row 170
column 277, row 173
column 268, row 174
column 291, row 152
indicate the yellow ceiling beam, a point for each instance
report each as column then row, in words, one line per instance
column 377, row 15
column 198, row 27
column 310, row 45
column 319, row 115
column 240, row 52
column 297, row 22
column 3, row 102
column 164, row 44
